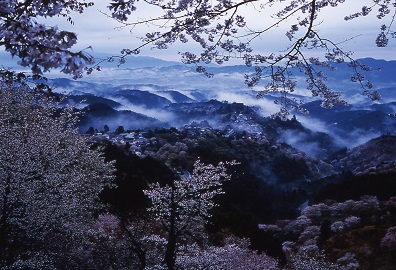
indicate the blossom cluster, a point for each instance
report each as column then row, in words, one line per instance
column 234, row 254
column 41, row 47
column 222, row 33
column 388, row 242
column 191, row 196
column 49, row 179
column 309, row 230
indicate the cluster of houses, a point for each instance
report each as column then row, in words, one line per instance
column 136, row 141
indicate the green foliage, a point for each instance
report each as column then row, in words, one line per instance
column 170, row 137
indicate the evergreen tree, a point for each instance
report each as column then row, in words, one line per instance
column 106, row 129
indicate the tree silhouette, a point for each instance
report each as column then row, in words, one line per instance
column 90, row 131
column 106, row 128
column 120, row 129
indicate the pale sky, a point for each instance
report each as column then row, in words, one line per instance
column 96, row 30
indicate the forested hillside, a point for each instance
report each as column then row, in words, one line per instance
column 272, row 184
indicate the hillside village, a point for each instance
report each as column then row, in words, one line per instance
column 313, row 192
column 239, row 126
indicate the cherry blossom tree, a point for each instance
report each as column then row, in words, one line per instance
column 182, row 208
column 310, row 231
column 389, row 240
column 49, row 182
column 39, row 46
column 234, row 254
column 127, row 242
column 223, row 30
column 116, row 248
column 172, row 234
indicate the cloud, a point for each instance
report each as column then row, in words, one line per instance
column 342, row 138
column 181, row 78
column 313, row 123
column 267, row 107
column 299, row 141
column 157, row 114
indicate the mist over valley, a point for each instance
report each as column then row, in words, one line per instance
column 156, row 121
column 318, row 179
column 152, row 93
column 175, row 115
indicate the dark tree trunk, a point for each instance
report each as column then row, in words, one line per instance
column 136, row 246
column 170, row 252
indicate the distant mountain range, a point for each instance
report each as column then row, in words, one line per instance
column 153, row 93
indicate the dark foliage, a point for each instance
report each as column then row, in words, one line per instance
column 350, row 187
column 132, row 176
column 289, row 169
column 214, row 150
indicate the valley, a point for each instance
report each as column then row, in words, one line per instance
column 156, row 127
